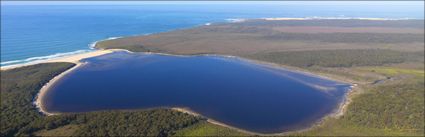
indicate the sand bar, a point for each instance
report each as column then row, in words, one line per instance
column 71, row 58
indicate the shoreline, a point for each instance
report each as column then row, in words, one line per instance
column 93, row 48
column 209, row 120
column 38, row 100
column 339, row 111
column 75, row 59
column 336, row 113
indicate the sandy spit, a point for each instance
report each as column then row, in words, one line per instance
column 71, row 59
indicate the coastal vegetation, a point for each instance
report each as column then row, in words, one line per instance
column 151, row 122
column 259, row 37
column 19, row 116
column 339, row 58
column 341, row 23
column 18, row 89
column 395, row 107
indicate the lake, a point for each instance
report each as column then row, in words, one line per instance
column 233, row 91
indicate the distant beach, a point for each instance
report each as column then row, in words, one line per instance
column 320, row 18
column 71, row 58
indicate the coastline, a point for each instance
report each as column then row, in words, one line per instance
column 38, row 100
column 339, row 110
column 336, row 113
column 71, row 59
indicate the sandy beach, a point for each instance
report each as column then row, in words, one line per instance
column 38, row 101
column 338, row 112
column 71, row 58
column 190, row 112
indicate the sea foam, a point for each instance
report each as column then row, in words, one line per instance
column 40, row 58
column 93, row 44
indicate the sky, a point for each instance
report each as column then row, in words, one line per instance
column 416, row 3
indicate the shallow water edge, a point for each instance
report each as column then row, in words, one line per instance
column 38, row 101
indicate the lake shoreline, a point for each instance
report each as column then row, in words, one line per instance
column 38, row 100
column 75, row 59
column 337, row 112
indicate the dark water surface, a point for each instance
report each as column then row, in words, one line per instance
column 229, row 90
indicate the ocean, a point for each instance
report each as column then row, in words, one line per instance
column 37, row 32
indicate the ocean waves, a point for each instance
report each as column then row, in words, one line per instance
column 41, row 58
column 93, row 44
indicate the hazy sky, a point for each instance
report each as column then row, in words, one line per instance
column 413, row 3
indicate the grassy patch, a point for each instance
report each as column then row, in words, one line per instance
column 391, row 71
column 336, row 127
column 395, row 108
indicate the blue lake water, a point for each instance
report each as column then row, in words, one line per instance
column 233, row 91
column 35, row 32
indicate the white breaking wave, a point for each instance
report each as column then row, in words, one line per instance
column 235, row 20
column 41, row 58
column 207, row 24
column 33, row 59
column 92, row 45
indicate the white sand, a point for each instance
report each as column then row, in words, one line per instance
column 39, row 98
column 71, row 59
